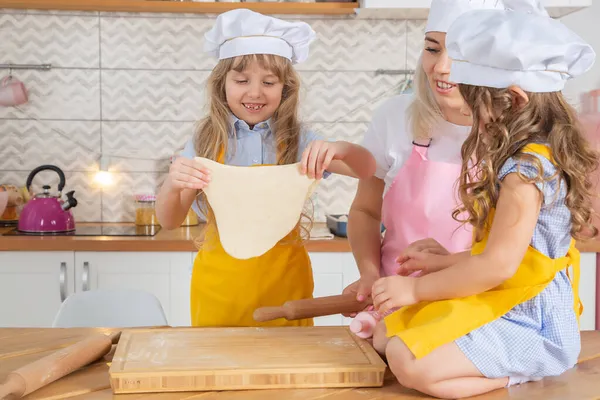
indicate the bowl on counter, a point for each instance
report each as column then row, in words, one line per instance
column 338, row 224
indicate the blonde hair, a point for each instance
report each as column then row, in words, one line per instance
column 211, row 138
column 424, row 111
column 547, row 118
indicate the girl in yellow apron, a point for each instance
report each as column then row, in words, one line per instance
column 254, row 92
column 508, row 311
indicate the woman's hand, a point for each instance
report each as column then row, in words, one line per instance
column 362, row 289
column 393, row 292
column 188, row 174
column 423, row 256
column 424, row 263
column 319, row 154
column 426, row 246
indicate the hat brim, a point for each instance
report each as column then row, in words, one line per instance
column 242, row 46
column 530, row 81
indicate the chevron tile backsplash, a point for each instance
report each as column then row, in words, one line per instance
column 61, row 40
column 131, row 87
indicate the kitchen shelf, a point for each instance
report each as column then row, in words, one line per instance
column 419, row 9
column 158, row 6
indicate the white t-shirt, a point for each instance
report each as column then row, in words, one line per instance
column 390, row 141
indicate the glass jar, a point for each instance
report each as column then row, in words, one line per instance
column 14, row 205
column 145, row 210
column 191, row 219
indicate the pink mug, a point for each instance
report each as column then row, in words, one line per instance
column 12, row 92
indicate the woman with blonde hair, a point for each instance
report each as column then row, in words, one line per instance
column 507, row 312
column 253, row 120
column 416, row 141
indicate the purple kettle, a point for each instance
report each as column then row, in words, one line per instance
column 46, row 213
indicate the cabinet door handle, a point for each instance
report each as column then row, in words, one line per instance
column 63, row 281
column 85, row 277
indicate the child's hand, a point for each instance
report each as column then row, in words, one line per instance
column 362, row 289
column 393, row 292
column 318, row 155
column 188, row 174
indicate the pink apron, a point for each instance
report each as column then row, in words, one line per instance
column 419, row 205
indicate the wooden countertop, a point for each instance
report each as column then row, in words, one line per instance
column 19, row 347
column 181, row 239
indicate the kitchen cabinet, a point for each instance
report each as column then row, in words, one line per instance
column 328, row 280
column 342, row 7
column 148, row 271
column 386, row 9
column 350, row 274
column 33, row 285
column 587, row 291
column 419, row 9
column 38, row 275
column 180, row 292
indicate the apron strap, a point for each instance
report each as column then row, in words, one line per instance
column 574, row 258
column 220, row 159
column 221, row 156
column 421, row 148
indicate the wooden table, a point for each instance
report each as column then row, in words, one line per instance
column 21, row 346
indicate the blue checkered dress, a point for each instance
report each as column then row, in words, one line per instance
column 540, row 337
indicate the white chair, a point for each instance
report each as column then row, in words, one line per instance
column 110, row 309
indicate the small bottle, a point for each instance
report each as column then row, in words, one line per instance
column 363, row 324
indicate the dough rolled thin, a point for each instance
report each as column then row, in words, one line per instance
column 255, row 207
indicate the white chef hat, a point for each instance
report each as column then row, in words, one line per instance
column 443, row 12
column 528, row 6
column 241, row 31
column 498, row 49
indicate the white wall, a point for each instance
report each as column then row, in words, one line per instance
column 586, row 23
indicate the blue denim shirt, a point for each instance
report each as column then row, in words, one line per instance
column 251, row 146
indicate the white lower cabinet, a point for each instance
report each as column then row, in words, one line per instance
column 34, row 284
column 587, row 291
column 181, row 275
column 329, row 281
column 151, row 272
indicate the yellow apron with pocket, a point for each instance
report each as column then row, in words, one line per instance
column 225, row 290
column 427, row 325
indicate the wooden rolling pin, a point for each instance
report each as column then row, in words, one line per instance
column 39, row 373
column 310, row 308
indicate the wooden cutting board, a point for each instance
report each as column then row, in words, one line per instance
column 201, row 359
